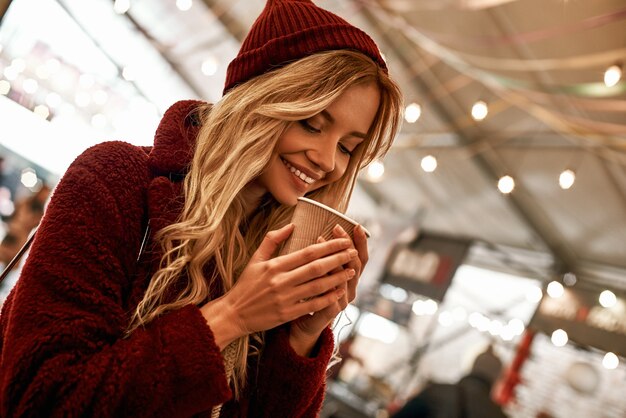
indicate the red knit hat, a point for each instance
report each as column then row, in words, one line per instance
column 287, row 30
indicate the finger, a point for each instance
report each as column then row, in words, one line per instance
column 321, row 285
column 271, row 242
column 325, row 317
column 313, row 252
column 355, row 263
column 351, row 287
column 344, row 300
column 360, row 243
column 320, row 302
column 322, row 239
column 321, row 267
column 339, row 232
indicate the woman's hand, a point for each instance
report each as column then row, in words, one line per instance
column 273, row 291
column 305, row 330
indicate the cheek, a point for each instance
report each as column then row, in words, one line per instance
column 340, row 169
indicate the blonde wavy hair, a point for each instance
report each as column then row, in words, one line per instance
column 234, row 145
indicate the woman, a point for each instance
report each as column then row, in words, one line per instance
column 153, row 289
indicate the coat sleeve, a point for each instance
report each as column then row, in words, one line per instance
column 62, row 345
column 290, row 385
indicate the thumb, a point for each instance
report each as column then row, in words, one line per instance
column 271, row 242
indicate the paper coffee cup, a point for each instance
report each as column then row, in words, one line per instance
column 313, row 220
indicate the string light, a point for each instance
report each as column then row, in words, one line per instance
column 431, row 307
column 445, row 319
column 429, row 163
column 121, row 6
column 610, row 361
column 480, row 110
column 42, row 111
column 37, row 186
column 566, row 179
column 555, row 289
column 478, row 321
column 5, row 87
column 412, row 112
column 397, row 294
column 559, row 338
column 569, row 279
column 28, row 177
column 30, row 86
column 11, row 73
column 98, row 121
column 607, row 299
column 183, row 5
column 375, row 171
column 516, row 326
column 613, row 75
column 129, row 73
column 19, row 64
column 424, row 307
column 506, row 184
column 495, row 327
column 209, row 66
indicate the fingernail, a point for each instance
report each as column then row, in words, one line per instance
column 353, row 253
column 351, row 273
column 320, row 239
column 339, row 230
column 340, row 293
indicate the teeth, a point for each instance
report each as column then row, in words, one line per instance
column 299, row 173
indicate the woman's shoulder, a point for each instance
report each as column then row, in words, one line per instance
column 113, row 161
column 113, row 156
column 117, row 153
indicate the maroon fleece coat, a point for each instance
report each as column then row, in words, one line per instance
column 62, row 351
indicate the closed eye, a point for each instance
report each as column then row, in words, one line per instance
column 308, row 127
column 344, row 149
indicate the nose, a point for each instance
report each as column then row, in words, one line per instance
column 322, row 154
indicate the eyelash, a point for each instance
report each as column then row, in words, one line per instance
column 344, row 149
column 307, row 127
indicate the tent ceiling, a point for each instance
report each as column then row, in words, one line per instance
column 539, row 65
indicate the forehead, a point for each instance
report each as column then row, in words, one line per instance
column 356, row 107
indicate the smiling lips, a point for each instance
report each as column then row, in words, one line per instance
column 299, row 173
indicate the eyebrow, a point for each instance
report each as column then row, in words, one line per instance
column 330, row 119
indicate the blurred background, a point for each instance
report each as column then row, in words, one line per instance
column 498, row 218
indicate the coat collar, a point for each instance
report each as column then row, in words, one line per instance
column 169, row 161
column 175, row 139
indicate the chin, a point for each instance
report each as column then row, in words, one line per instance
column 285, row 200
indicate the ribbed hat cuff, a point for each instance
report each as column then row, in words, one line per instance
column 297, row 45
